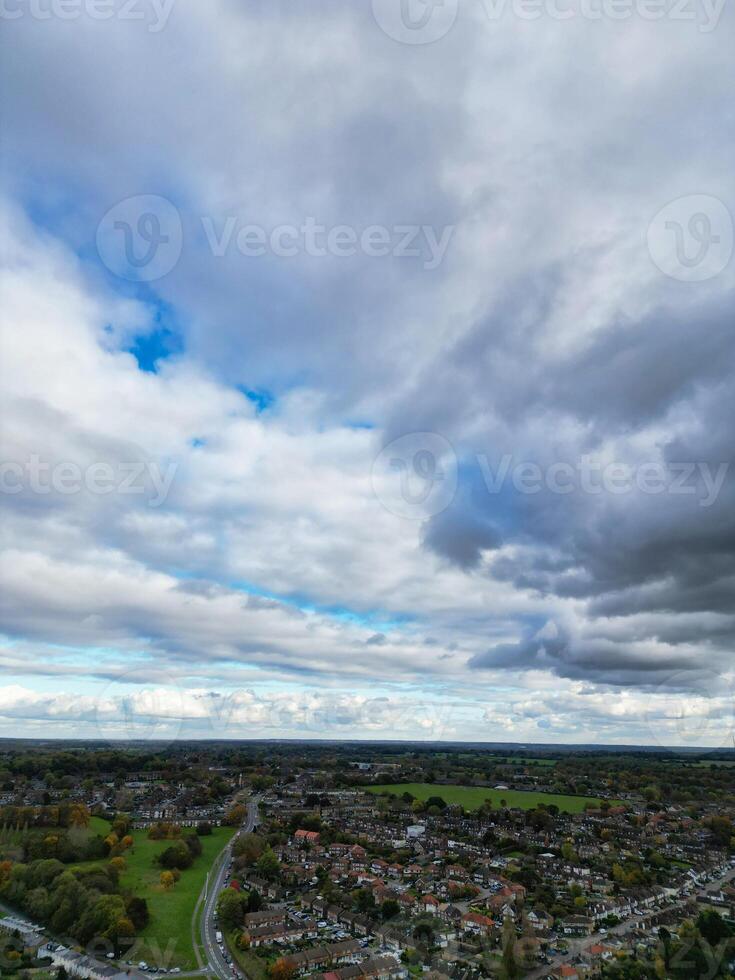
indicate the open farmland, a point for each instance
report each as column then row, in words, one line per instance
column 471, row 797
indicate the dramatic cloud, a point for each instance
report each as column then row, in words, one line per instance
column 259, row 262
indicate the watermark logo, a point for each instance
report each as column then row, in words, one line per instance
column 140, row 238
column 153, row 13
column 425, row 21
column 132, row 709
column 692, row 711
column 415, row 21
column 691, row 238
column 415, row 476
column 35, row 475
column 310, row 237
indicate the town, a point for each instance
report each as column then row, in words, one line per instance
column 378, row 861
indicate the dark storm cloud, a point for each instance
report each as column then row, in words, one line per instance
column 461, row 534
column 657, row 390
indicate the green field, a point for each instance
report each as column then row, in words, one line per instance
column 169, row 930
column 11, row 837
column 171, row 912
column 516, row 760
column 471, row 797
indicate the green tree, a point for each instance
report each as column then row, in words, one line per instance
column 231, row 908
column 268, row 866
column 389, row 909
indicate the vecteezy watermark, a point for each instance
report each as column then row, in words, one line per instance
column 704, row 13
column 415, row 476
column 426, row 21
column 693, row 709
column 415, row 21
column 141, row 239
column 35, row 475
column 153, row 13
column 591, row 475
column 309, row 237
column 136, row 706
column 691, row 238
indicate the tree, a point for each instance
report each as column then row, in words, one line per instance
column 249, row 847
column 204, row 829
column 177, row 856
column 423, row 931
column 235, row 815
column 389, row 909
column 713, row 927
column 281, row 970
column 137, row 909
column 167, row 880
column 255, row 901
column 510, row 966
column 230, row 908
column 79, row 816
column 721, row 829
column 436, row 801
column 268, row 865
column 118, row 865
column 365, row 901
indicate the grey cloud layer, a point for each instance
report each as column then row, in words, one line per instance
column 546, row 332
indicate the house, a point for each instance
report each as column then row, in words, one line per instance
column 387, row 936
column 267, row 917
column 280, row 932
column 539, row 920
column 306, row 836
column 577, row 925
column 307, row 960
column 376, row 968
column 430, row 904
column 476, row 924
column 452, row 914
column 28, row 937
column 359, row 925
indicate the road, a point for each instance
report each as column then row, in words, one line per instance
column 215, row 883
column 576, row 946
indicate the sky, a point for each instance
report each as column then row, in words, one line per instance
column 368, row 370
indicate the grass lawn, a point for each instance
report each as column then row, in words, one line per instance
column 171, row 912
column 169, row 929
column 10, row 837
column 471, row 797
